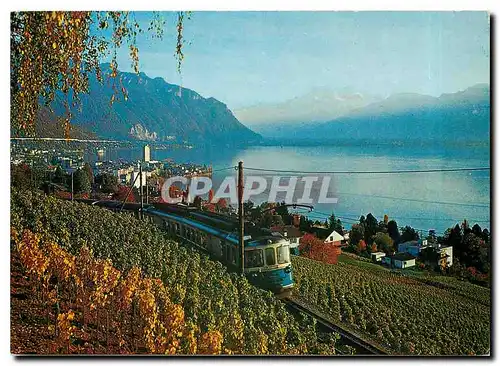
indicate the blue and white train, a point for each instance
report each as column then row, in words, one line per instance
column 267, row 256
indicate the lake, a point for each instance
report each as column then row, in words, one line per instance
column 424, row 200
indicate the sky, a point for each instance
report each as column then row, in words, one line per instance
column 249, row 58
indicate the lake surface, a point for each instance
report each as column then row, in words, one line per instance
column 424, row 201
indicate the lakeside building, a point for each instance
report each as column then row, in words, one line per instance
column 146, row 153
column 334, row 238
column 413, row 247
column 431, row 253
column 377, row 256
column 399, row 260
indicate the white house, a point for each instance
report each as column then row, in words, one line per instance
column 146, row 156
column 399, row 260
column 445, row 256
column 413, row 247
column 334, row 238
column 377, row 256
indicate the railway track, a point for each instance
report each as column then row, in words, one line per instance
column 361, row 346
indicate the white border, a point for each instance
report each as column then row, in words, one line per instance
column 490, row 5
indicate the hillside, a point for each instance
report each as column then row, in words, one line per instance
column 321, row 104
column 147, row 286
column 155, row 110
column 48, row 125
column 459, row 116
column 406, row 312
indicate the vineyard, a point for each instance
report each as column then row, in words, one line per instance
column 421, row 315
column 86, row 280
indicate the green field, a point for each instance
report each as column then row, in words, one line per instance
column 407, row 312
column 251, row 321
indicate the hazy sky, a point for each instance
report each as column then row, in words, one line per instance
column 247, row 58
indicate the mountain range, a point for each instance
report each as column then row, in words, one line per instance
column 320, row 104
column 464, row 115
column 154, row 110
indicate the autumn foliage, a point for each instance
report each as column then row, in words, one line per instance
column 94, row 290
column 361, row 247
column 312, row 247
column 121, row 193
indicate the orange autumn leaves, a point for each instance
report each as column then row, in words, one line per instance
column 312, row 247
column 102, row 288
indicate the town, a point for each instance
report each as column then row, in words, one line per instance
column 70, row 172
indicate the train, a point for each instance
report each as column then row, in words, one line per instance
column 266, row 256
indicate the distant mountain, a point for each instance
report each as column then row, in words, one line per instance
column 155, row 110
column 464, row 115
column 48, row 125
column 320, row 104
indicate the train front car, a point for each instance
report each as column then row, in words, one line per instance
column 267, row 264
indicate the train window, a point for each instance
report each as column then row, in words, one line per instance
column 270, row 257
column 283, row 254
column 254, row 258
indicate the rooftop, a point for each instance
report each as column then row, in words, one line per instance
column 290, row 230
column 401, row 257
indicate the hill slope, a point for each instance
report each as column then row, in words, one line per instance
column 156, row 110
column 461, row 116
column 407, row 313
column 47, row 125
column 320, row 104
column 250, row 320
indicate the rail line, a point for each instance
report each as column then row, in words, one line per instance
column 362, row 346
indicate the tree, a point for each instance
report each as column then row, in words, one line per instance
column 429, row 255
column 282, row 210
column 384, row 242
column 81, row 181
column 361, row 247
column 370, row 227
column 58, row 51
column 432, row 237
column 393, row 231
column 476, row 230
column 121, row 193
column 335, row 224
column 60, row 176
column 408, row 234
column 306, row 244
column 305, row 225
column 20, row 176
column 312, row 247
column 357, row 233
column 453, row 237
column 474, row 255
column 89, row 171
column 108, row 183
